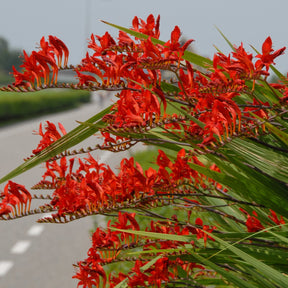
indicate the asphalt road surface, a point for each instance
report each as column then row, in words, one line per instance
column 36, row 255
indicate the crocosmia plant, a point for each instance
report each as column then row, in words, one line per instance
column 212, row 209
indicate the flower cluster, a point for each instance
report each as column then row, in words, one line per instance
column 253, row 224
column 107, row 245
column 135, row 64
column 93, row 188
column 38, row 66
column 16, row 199
column 49, row 136
column 133, row 67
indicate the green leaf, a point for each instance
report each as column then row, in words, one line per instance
column 279, row 236
column 258, row 185
column 181, row 272
column 248, row 235
column 150, row 263
column 212, row 283
column 265, row 93
column 154, row 251
column 278, row 73
column 233, row 278
column 157, row 235
column 240, row 237
column 222, row 178
column 246, row 180
column 226, row 39
column 169, row 88
column 270, row 273
column 281, row 135
column 268, row 160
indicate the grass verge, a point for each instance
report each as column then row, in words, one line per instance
column 18, row 106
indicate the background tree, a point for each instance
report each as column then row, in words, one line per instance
column 8, row 58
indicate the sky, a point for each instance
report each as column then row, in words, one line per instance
column 24, row 22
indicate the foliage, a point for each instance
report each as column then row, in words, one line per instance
column 214, row 211
column 15, row 106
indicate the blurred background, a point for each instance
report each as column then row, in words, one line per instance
column 48, row 262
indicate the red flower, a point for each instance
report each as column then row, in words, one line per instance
column 244, row 64
column 252, row 223
column 159, row 273
column 5, row 209
column 138, row 278
column 85, row 79
column 123, row 224
column 39, row 64
column 15, row 196
column 275, row 218
column 106, row 42
column 102, row 239
column 173, row 46
column 163, row 160
column 201, row 232
column 90, row 275
column 60, row 50
column 267, row 57
column 150, row 27
column 32, row 71
column 50, row 136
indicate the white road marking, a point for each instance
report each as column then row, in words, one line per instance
column 35, row 230
column 5, row 266
column 20, row 247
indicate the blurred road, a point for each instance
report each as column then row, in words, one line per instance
column 36, row 255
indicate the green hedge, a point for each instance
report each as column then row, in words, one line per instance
column 16, row 106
